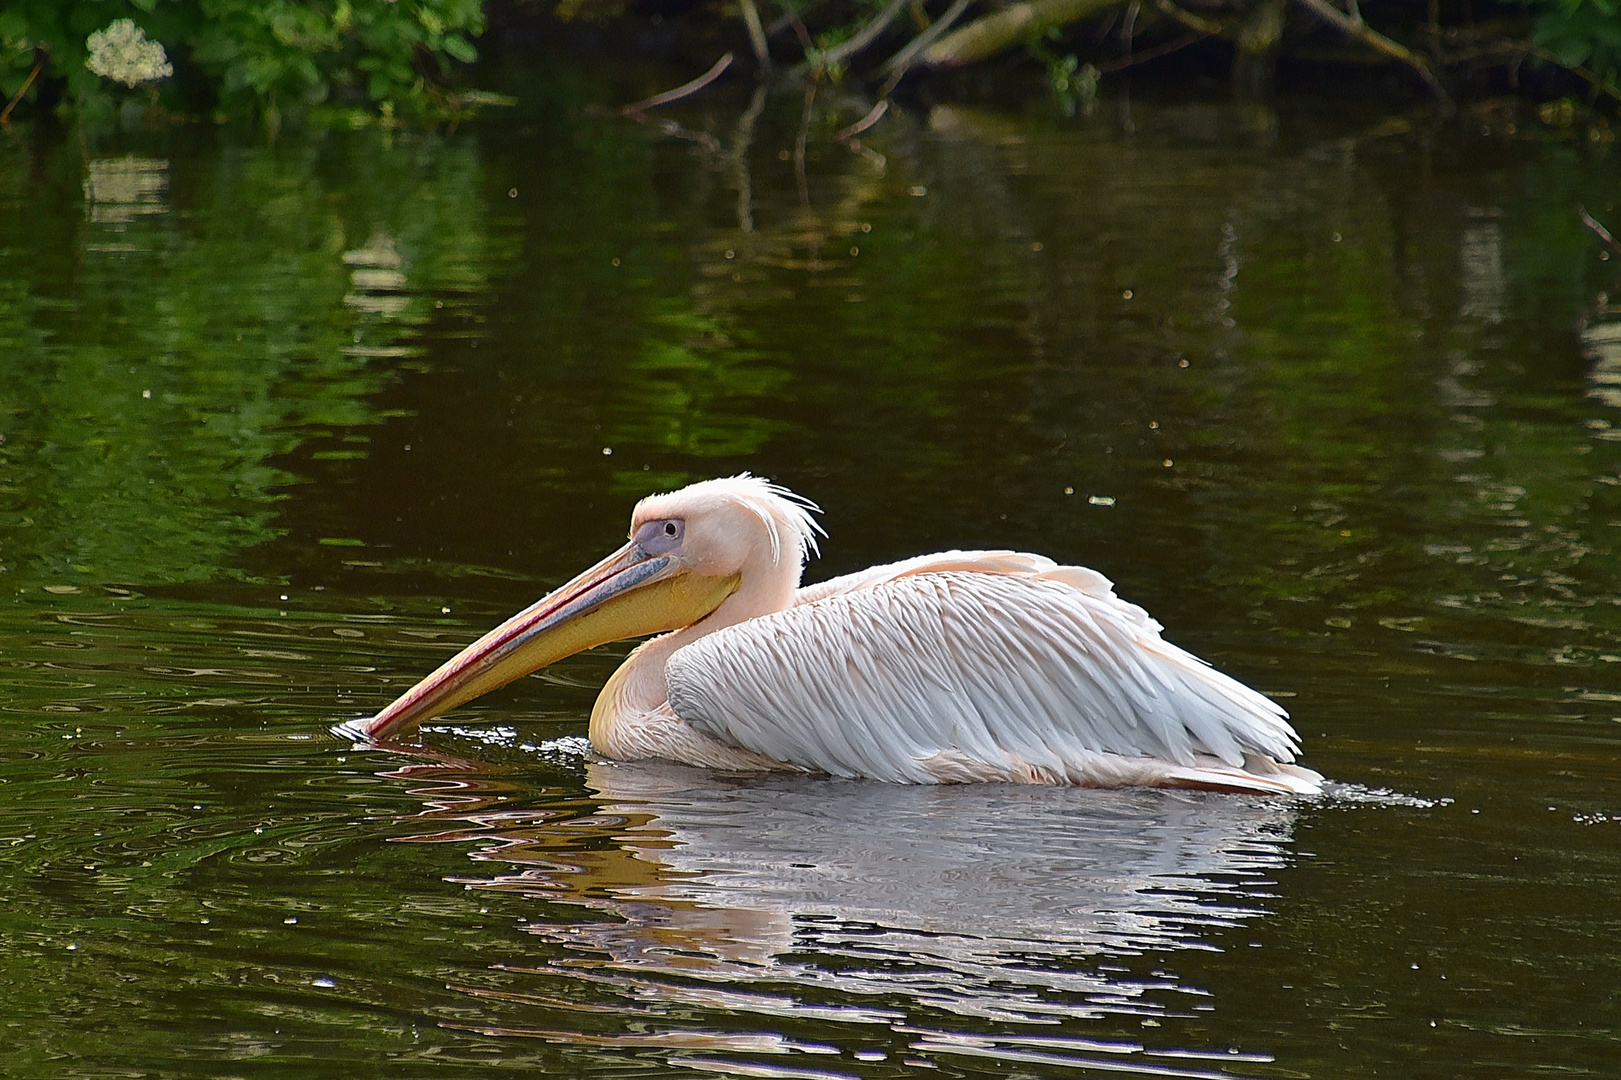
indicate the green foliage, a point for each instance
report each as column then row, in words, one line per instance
column 1582, row 33
column 270, row 56
column 1070, row 81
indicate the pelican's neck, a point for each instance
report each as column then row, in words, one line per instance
column 637, row 691
column 763, row 587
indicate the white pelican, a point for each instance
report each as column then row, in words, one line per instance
column 957, row 667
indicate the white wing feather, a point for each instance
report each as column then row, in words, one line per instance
column 994, row 661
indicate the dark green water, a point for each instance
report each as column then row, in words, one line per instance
column 284, row 425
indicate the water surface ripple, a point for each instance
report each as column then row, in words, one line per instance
column 284, row 424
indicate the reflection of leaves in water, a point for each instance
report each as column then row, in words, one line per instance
column 693, row 390
column 203, row 322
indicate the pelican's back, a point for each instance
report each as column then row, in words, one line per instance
column 979, row 666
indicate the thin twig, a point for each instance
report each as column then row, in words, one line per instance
column 1601, row 231
column 898, row 64
column 865, row 122
column 799, row 147
column 751, row 19
column 1598, row 83
column 684, row 90
column 1133, row 59
column 1355, row 27
column 1128, row 30
column 742, row 139
column 676, row 131
column 5, row 117
column 1208, row 27
column 848, row 136
column 805, row 42
column 863, row 37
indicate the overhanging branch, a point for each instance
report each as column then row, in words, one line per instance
column 1353, row 26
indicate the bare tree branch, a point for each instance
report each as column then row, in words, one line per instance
column 865, row 122
column 987, row 36
column 1599, row 230
column 1209, row 27
column 1599, row 84
column 751, row 19
column 1163, row 49
column 1353, row 26
column 5, row 117
column 684, row 90
column 897, row 65
column 863, row 37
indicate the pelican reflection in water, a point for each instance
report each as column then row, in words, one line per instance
column 870, row 908
column 948, row 668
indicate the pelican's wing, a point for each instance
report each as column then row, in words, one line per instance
column 923, row 671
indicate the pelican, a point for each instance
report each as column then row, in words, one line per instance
column 963, row 666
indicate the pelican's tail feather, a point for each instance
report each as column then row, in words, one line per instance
column 1260, row 773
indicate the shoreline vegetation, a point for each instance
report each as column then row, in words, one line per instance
column 359, row 62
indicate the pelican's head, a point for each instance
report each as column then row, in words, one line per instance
column 689, row 552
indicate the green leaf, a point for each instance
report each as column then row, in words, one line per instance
column 460, row 48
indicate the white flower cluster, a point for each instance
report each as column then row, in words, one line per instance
column 123, row 52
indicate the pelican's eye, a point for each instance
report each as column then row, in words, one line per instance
column 661, row 537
